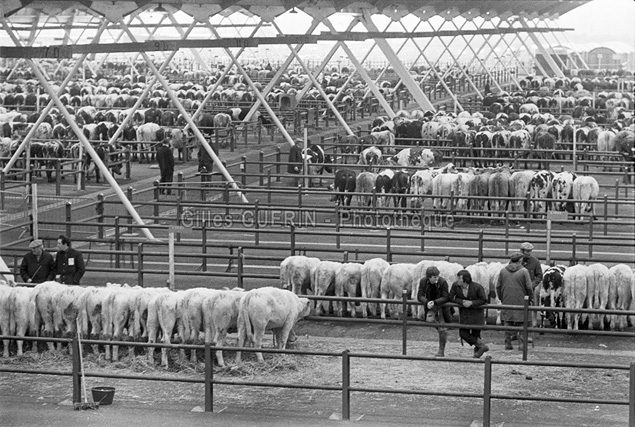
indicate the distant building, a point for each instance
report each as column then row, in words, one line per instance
column 615, row 56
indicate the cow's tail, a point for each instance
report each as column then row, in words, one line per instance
column 245, row 328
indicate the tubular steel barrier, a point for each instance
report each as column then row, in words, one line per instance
column 345, row 389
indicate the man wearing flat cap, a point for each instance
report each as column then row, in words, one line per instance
column 531, row 263
column 513, row 285
column 37, row 264
column 295, row 160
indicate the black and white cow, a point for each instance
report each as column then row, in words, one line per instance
column 549, row 294
column 343, row 186
column 318, row 161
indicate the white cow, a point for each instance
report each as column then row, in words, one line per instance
column 296, row 272
column 348, row 283
column 574, row 292
column 269, row 308
column 43, row 295
column 396, row 279
column 372, row 272
column 221, row 314
column 621, row 279
column 585, row 189
column 494, row 269
column 193, row 319
column 22, row 306
column 598, row 289
column 480, row 273
column 324, row 283
column 165, row 312
column 421, row 183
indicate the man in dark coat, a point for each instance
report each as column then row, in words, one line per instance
column 532, row 264
column 513, row 285
column 295, row 160
column 205, row 162
column 36, row 265
column 165, row 158
column 69, row 263
column 433, row 293
column 470, row 296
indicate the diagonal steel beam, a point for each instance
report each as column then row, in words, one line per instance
column 420, row 98
column 552, row 64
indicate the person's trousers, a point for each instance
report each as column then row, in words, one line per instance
column 470, row 336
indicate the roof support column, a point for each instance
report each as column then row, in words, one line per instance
column 317, row 85
column 445, row 86
column 262, row 100
column 530, row 51
column 372, row 87
column 487, row 71
column 574, row 63
column 498, row 58
column 513, row 52
column 195, row 52
column 420, row 98
column 544, row 36
column 552, row 64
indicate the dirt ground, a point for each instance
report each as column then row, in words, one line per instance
column 457, row 380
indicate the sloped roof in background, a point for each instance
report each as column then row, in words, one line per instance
column 617, row 47
column 269, row 9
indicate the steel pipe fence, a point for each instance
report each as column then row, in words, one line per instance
column 345, row 389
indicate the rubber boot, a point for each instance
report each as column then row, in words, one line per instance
column 443, row 339
column 508, row 342
column 481, row 348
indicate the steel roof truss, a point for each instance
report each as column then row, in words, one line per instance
column 445, row 86
column 498, row 58
column 262, row 100
column 531, row 52
column 566, row 51
column 194, row 52
column 544, row 36
column 317, row 85
column 476, row 58
column 362, row 72
column 185, row 114
column 541, row 48
column 420, row 98
column 518, row 60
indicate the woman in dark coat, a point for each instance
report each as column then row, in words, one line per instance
column 470, row 296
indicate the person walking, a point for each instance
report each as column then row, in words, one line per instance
column 69, row 263
column 532, row 264
column 512, row 286
column 470, row 296
column 37, row 264
column 205, row 162
column 165, row 158
column 433, row 293
column 295, row 160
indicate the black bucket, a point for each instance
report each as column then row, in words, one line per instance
column 103, row 395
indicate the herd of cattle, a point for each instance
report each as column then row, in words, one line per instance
column 594, row 286
column 115, row 312
column 472, row 191
column 119, row 313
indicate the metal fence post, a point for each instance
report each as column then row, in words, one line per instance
column 388, row 250
column 100, row 211
column 346, row 383
column 117, row 261
column 480, row 245
column 243, row 171
column 292, row 238
column 140, row 264
column 69, row 218
column 204, row 247
column 209, row 379
column 404, row 322
column 156, row 199
column 129, row 197
column 58, row 178
column 261, row 168
column 256, row 222
column 525, row 323
column 239, row 266
column 278, row 160
column 77, row 384
column 487, row 392
column 631, row 397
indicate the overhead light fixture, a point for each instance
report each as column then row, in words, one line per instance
column 293, row 10
column 160, row 8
